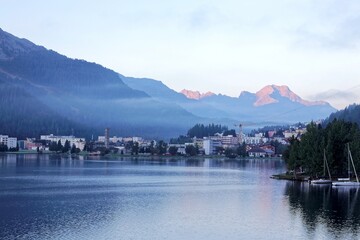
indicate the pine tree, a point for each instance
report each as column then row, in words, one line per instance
column 66, row 147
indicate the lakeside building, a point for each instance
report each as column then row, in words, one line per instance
column 261, row 151
column 180, row 147
column 255, row 140
column 78, row 142
column 210, row 146
column 116, row 139
column 229, row 140
column 198, row 142
column 10, row 142
column 32, row 144
column 290, row 134
column 113, row 139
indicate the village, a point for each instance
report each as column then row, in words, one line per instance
column 259, row 143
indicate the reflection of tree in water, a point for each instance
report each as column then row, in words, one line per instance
column 337, row 208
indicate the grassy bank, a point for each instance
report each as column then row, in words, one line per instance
column 291, row 177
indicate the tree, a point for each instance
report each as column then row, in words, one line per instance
column 161, row 147
column 173, row 150
column 307, row 153
column 219, row 150
column 241, row 150
column 59, row 146
column 53, row 147
column 3, row 148
column 152, row 150
column 279, row 147
column 73, row 149
column 191, row 150
column 66, row 147
column 135, row 148
column 229, row 132
column 291, row 155
column 200, row 131
column 230, row 153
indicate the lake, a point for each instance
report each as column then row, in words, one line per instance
column 52, row 197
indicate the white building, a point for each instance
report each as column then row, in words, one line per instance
column 229, row 140
column 253, row 140
column 78, row 142
column 113, row 139
column 180, row 148
column 10, row 142
column 290, row 134
column 210, row 146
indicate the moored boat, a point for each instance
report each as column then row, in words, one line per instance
column 323, row 180
column 346, row 181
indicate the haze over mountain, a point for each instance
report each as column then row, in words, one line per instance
column 83, row 93
column 275, row 104
column 45, row 92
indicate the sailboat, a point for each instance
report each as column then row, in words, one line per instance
column 346, row 181
column 323, row 180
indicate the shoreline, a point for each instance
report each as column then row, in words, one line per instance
column 147, row 156
column 290, row 177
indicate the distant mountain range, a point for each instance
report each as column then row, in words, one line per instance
column 44, row 92
column 196, row 94
column 271, row 104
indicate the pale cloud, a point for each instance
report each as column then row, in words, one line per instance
column 340, row 98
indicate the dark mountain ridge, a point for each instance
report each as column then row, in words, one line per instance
column 349, row 114
column 84, row 93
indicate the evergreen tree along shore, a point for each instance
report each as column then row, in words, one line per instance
column 306, row 154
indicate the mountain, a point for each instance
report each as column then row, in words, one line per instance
column 275, row 104
column 163, row 93
column 81, row 93
column 11, row 46
column 349, row 114
column 195, row 94
column 271, row 94
column 271, row 104
column 43, row 92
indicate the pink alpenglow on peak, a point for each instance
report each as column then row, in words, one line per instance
column 266, row 96
column 196, row 94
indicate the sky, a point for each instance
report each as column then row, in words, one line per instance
column 227, row 46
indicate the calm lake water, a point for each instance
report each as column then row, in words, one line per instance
column 48, row 197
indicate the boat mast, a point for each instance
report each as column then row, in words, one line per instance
column 327, row 166
column 324, row 163
column 352, row 161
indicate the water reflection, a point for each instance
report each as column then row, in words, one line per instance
column 46, row 160
column 63, row 197
column 336, row 208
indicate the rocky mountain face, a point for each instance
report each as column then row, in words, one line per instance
column 271, row 104
column 267, row 95
column 195, row 94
